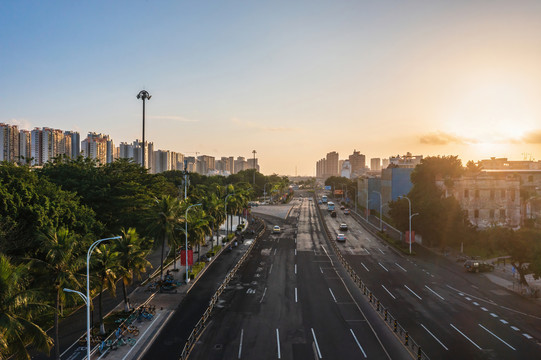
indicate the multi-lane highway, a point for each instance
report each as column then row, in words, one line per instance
column 450, row 313
column 292, row 301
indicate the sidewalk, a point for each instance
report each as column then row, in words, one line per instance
column 166, row 303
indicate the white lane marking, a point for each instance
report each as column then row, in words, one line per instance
column 278, row 342
column 381, row 251
column 357, row 341
column 493, row 315
column 484, row 309
column 264, row 292
column 401, row 267
column 384, row 268
column 491, row 333
column 295, row 252
column 275, row 251
column 332, row 295
column 295, row 294
column 295, row 240
column 388, row 292
column 438, row 340
column 413, row 292
column 320, row 269
column 270, row 270
column 368, row 252
column 368, row 239
column 475, row 303
column 467, row 298
column 351, row 251
column 435, row 293
column 315, row 341
column 142, row 335
column 527, row 336
column 503, row 321
column 240, row 346
column 515, row 328
column 364, row 266
column 470, row 340
column 295, row 268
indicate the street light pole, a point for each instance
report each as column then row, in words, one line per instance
column 144, row 95
column 88, row 254
column 85, row 299
column 410, row 216
column 226, row 217
column 265, row 192
column 380, row 209
column 255, row 167
column 186, row 232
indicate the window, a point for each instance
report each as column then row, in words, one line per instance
column 530, row 178
column 502, row 213
column 477, row 194
column 476, row 214
column 491, row 194
column 502, row 194
column 512, row 193
column 466, row 193
column 491, row 213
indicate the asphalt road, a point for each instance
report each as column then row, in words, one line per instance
column 292, row 301
column 450, row 313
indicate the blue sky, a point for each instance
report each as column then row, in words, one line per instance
column 290, row 79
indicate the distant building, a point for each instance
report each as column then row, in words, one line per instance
column 205, row 164
column 384, row 163
column 346, row 169
column 358, row 162
column 99, row 147
column 250, row 164
column 504, row 164
column 9, row 142
column 240, row 164
column 488, row 199
column 395, row 182
column 375, row 164
column 25, row 146
column 406, row 161
column 331, row 164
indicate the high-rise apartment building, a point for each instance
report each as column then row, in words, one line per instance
column 205, row 164
column 99, row 147
column 331, row 164
column 9, row 143
column 240, row 164
column 25, row 146
column 75, row 140
column 384, row 163
column 375, row 164
column 251, row 163
column 358, row 162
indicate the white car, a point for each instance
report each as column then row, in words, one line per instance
column 276, row 229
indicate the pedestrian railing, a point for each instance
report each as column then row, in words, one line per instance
column 384, row 313
column 196, row 332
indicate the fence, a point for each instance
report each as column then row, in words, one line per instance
column 196, row 332
column 391, row 321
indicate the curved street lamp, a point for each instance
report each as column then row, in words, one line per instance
column 410, row 216
column 144, row 95
column 186, row 222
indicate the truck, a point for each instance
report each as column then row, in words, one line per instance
column 330, row 206
column 324, row 199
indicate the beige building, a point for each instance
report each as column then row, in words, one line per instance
column 488, row 199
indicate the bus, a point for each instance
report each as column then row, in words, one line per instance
column 324, row 199
column 330, row 206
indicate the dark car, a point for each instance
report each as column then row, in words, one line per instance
column 341, row 238
column 477, row 266
column 333, row 213
column 344, row 227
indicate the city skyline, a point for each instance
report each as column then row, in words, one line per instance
column 293, row 81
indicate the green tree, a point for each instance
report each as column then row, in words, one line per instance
column 19, row 307
column 165, row 223
column 106, row 264
column 59, row 269
column 522, row 245
column 131, row 260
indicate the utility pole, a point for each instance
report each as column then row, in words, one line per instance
column 255, row 167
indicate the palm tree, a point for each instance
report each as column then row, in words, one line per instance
column 131, row 259
column 164, row 224
column 59, row 266
column 106, row 263
column 18, row 307
column 198, row 229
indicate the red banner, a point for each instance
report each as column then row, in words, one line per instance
column 407, row 239
column 183, row 257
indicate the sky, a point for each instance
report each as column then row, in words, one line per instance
column 292, row 80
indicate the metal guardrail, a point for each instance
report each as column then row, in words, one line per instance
column 391, row 321
column 196, row 332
